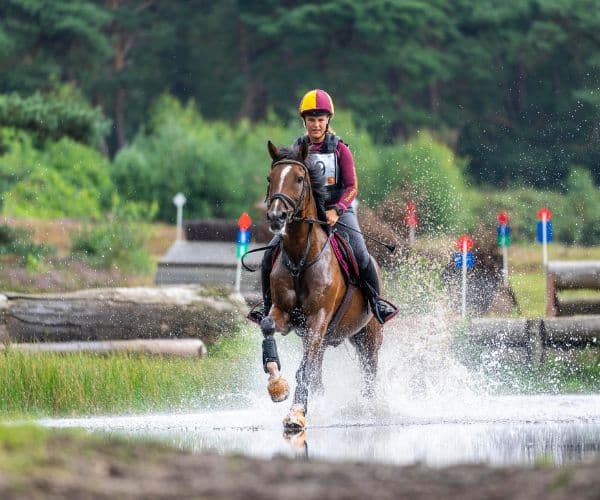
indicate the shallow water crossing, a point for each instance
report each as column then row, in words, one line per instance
column 548, row 429
column 429, row 408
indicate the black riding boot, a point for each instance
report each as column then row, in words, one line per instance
column 382, row 309
column 257, row 314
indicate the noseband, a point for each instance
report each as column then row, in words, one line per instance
column 292, row 205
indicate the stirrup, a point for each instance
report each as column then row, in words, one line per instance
column 383, row 310
column 256, row 314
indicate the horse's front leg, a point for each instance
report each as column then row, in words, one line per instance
column 307, row 375
column 277, row 385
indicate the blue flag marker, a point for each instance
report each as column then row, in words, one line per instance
column 540, row 231
column 458, row 260
column 243, row 237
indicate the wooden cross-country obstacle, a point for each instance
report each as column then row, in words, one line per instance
column 535, row 336
column 572, row 275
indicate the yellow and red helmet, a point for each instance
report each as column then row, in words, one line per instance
column 316, row 102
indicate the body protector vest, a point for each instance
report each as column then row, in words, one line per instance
column 326, row 162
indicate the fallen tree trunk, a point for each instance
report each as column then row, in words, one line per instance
column 120, row 313
column 186, row 348
column 575, row 274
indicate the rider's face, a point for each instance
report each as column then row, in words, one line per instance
column 316, row 126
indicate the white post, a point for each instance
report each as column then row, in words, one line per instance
column 505, row 264
column 545, row 258
column 464, row 280
column 411, row 236
column 238, row 275
column 179, row 200
column 544, row 241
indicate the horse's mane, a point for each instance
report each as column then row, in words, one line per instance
column 317, row 181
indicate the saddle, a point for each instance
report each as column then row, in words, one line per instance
column 345, row 257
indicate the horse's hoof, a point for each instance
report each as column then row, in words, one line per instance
column 295, row 420
column 297, row 440
column 278, row 388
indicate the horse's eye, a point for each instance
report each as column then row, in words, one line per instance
column 300, row 180
column 268, row 179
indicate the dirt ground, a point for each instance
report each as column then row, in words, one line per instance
column 88, row 467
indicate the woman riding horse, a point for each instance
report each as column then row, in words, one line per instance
column 327, row 151
column 309, row 290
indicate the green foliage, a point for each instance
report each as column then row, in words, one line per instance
column 118, row 240
column 582, row 208
column 63, row 179
column 42, row 41
column 522, row 205
column 17, row 158
column 427, row 172
column 220, row 169
column 512, row 83
column 54, row 117
column 17, row 241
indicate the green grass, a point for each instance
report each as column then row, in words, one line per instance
column 34, row 385
column 576, row 371
column 527, row 276
column 530, row 293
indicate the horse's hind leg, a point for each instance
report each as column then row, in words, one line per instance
column 368, row 342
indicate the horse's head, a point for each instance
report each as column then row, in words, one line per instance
column 289, row 183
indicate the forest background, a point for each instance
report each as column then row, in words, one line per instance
column 108, row 108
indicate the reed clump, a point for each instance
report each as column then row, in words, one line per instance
column 48, row 384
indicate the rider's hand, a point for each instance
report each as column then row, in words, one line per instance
column 332, row 217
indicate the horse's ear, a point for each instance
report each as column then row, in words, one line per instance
column 273, row 151
column 303, row 150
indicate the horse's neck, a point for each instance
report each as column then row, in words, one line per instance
column 294, row 242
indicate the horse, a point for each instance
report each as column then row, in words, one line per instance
column 308, row 287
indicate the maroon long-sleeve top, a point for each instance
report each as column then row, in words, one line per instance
column 347, row 172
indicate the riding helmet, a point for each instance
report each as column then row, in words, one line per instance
column 316, row 102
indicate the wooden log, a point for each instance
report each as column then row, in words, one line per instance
column 509, row 332
column 566, row 332
column 496, row 332
column 574, row 307
column 122, row 313
column 575, row 274
column 572, row 331
column 188, row 348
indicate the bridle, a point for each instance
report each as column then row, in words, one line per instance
column 292, row 206
column 294, row 210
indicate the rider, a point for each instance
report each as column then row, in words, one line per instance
column 337, row 164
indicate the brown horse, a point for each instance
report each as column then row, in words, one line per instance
column 308, row 287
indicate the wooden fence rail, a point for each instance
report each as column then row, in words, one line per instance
column 536, row 335
column 572, row 275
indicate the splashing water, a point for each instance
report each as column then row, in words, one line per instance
column 428, row 407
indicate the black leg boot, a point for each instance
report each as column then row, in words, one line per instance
column 258, row 313
column 381, row 308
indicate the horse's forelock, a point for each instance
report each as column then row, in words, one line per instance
column 285, row 153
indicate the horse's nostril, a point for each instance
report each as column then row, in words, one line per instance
column 276, row 216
